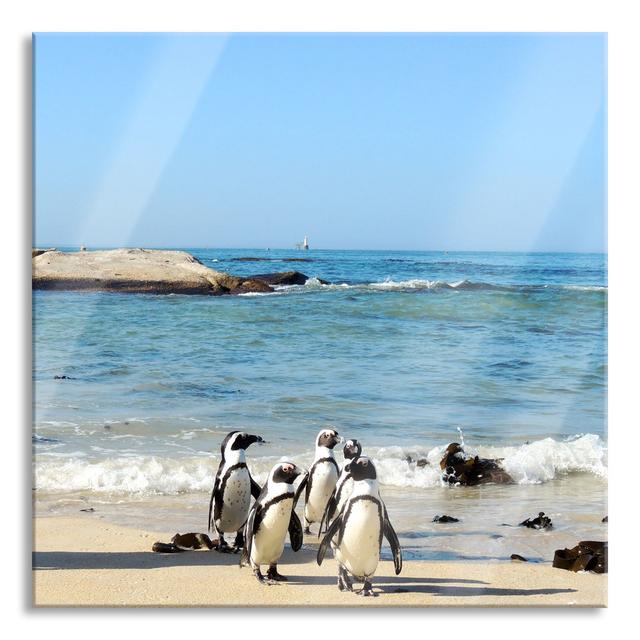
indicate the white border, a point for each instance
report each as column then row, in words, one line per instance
column 21, row 18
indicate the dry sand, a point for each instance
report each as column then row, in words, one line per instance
column 90, row 562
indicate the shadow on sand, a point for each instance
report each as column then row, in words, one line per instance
column 449, row 587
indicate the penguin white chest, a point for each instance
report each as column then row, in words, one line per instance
column 268, row 541
column 359, row 550
column 323, row 482
column 236, row 498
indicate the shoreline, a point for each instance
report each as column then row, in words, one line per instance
column 93, row 563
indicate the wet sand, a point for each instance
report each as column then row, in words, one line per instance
column 91, row 562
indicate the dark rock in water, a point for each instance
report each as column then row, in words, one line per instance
column 251, row 285
column 63, row 378
column 588, row 555
column 458, row 468
column 285, row 277
column 420, row 462
column 193, row 541
column 88, row 510
column 163, row 547
column 445, row 519
column 541, row 522
column 605, row 519
column 517, row 558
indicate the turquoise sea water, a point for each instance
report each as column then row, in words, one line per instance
column 401, row 351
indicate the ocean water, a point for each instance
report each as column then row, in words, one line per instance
column 405, row 351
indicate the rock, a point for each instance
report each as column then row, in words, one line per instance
column 63, row 378
column 251, row 286
column 88, row 510
column 445, row 519
column 38, row 252
column 458, row 468
column 286, row 277
column 129, row 270
column 590, row 555
column 605, row 519
column 145, row 271
column 421, row 462
column 541, row 522
column 517, row 558
column 163, row 547
column 194, row 541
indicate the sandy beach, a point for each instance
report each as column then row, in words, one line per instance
column 92, row 563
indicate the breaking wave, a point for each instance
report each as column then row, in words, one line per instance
column 418, row 284
column 532, row 463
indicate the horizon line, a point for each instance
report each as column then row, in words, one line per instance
column 50, row 245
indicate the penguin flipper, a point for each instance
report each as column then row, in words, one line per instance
column 329, row 510
column 300, row 489
column 390, row 535
column 248, row 535
column 255, row 488
column 331, row 531
column 214, row 495
column 295, row 531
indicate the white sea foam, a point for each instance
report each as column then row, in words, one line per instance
column 537, row 462
column 418, row 284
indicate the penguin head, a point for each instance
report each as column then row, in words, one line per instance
column 238, row 440
column 328, row 438
column 285, row 472
column 362, row 469
column 352, row 449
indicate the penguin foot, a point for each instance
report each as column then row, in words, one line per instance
column 263, row 579
column 223, row 545
column 367, row 591
column 307, row 530
column 273, row 574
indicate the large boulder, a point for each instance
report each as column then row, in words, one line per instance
column 144, row 271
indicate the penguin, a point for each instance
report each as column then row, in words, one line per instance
column 270, row 517
column 352, row 450
column 321, row 480
column 357, row 531
column 232, row 490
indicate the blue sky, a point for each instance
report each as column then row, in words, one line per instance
column 363, row 141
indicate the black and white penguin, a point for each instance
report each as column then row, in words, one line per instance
column 270, row 517
column 357, row 531
column 352, row 450
column 322, row 478
column 232, row 490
